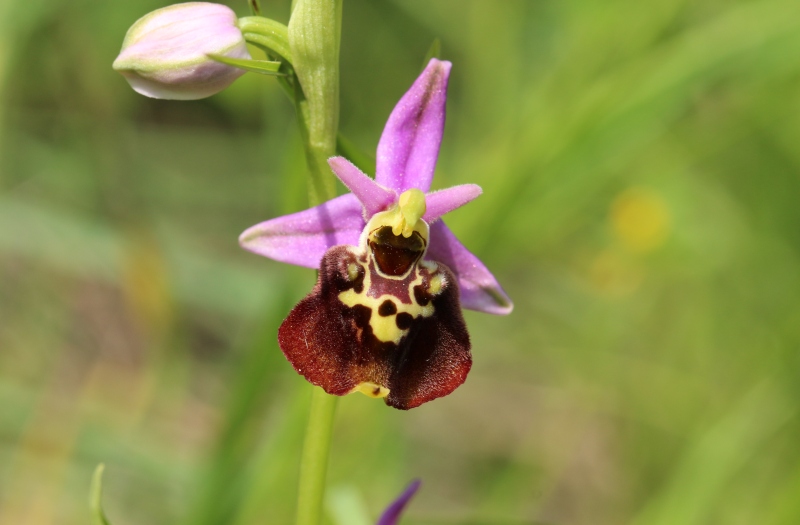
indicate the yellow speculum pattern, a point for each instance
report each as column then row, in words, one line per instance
column 385, row 328
column 405, row 218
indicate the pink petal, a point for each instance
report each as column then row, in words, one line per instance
column 479, row 289
column 444, row 201
column 303, row 238
column 393, row 511
column 372, row 195
column 409, row 145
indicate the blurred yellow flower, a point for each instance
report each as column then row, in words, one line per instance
column 640, row 219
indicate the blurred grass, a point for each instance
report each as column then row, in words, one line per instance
column 640, row 173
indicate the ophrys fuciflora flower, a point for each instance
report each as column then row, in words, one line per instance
column 384, row 317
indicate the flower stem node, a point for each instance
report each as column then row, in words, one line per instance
column 165, row 53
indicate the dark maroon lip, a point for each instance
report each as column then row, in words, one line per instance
column 334, row 344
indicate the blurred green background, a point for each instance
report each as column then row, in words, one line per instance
column 641, row 177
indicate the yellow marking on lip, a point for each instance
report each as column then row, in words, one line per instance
column 352, row 271
column 436, row 284
column 371, row 390
column 385, row 328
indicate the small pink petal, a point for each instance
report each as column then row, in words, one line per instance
column 303, row 238
column 479, row 289
column 372, row 195
column 409, row 145
column 444, row 201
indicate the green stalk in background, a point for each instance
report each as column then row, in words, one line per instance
column 314, row 462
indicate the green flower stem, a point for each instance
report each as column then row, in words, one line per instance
column 314, row 34
column 309, row 46
column 314, row 38
column 314, row 463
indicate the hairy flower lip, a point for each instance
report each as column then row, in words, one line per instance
column 361, row 327
column 165, row 53
column 407, row 154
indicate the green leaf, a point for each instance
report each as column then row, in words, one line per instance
column 264, row 67
column 435, row 51
column 95, row 496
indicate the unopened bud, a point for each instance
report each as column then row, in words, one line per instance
column 165, row 53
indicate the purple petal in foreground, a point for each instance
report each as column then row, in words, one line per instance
column 372, row 195
column 303, row 238
column 393, row 511
column 444, row 201
column 479, row 289
column 409, row 145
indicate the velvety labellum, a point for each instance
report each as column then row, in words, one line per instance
column 381, row 321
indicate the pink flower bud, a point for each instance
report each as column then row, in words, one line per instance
column 165, row 53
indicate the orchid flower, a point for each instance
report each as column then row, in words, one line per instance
column 385, row 315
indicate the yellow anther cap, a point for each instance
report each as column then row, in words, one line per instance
column 412, row 208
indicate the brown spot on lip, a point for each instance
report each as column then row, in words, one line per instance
column 404, row 320
column 422, row 297
column 387, row 308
